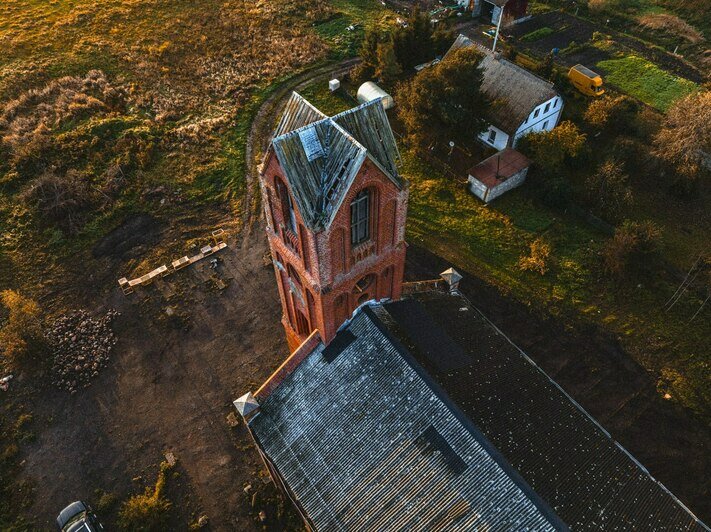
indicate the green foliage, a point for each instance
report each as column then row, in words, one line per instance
column 629, row 250
column 550, row 149
column 419, row 41
column 614, row 114
column 538, row 34
column 147, row 512
column 388, row 69
column 444, row 102
column 646, row 81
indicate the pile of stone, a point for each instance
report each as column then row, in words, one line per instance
column 81, row 346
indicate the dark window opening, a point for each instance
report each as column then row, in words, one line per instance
column 302, row 324
column 363, row 283
column 360, row 215
column 548, row 106
column 287, row 207
column 492, row 136
column 536, row 113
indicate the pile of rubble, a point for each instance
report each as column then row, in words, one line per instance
column 81, row 346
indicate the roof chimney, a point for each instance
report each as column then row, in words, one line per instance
column 452, row 278
column 247, row 406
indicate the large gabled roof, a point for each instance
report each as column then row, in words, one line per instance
column 513, row 91
column 422, row 413
column 364, row 442
column 321, row 155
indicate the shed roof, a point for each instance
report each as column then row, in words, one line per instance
column 514, row 91
column 321, row 155
column 499, row 167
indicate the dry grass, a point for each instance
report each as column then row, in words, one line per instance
column 671, row 24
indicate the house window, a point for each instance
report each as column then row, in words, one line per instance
column 287, row 207
column 360, row 214
column 548, row 107
column 555, row 103
column 545, row 124
column 492, row 136
column 536, row 113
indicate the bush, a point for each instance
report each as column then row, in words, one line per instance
column 147, row 512
column 21, row 335
column 629, row 250
column 614, row 114
column 609, row 190
column 537, row 259
column 549, row 149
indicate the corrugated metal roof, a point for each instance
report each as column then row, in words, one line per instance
column 591, row 482
column 366, row 442
column 513, row 91
column 496, row 169
column 321, row 156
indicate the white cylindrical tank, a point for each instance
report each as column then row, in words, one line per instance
column 369, row 91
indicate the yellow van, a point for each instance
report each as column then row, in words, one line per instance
column 586, row 81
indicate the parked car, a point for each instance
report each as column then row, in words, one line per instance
column 78, row 517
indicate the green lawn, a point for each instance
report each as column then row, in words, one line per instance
column 645, row 81
column 538, row 34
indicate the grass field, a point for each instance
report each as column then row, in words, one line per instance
column 645, row 81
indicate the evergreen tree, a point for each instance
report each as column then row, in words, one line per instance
column 445, row 102
column 388, row 69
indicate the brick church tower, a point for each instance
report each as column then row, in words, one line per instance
column 335, row 207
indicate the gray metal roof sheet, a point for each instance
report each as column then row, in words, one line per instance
column 350, row 437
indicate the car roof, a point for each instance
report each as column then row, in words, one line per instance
column 70, row 511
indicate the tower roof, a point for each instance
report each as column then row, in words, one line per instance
column 322, row 155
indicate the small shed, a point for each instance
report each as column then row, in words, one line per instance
column 497, row 174
column 370, row 91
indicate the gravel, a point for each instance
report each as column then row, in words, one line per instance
column 81, row 347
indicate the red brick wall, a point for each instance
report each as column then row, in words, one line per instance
column 326, row 263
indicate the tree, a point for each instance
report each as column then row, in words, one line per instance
column 365, row 70
column 537, row 259
column 21, row 335
column 614, row 114
column 608, row 188
column 630, row 248
column 418, row 41
column 444, row 102
column 388, row 69
column 684, row 141
column 549, row 149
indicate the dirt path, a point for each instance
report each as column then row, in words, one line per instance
column 185, row 351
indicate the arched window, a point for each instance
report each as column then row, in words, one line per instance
column 363, row 284
column 360, row 218
column 287, row 207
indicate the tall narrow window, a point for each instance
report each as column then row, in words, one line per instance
column 287, row 207
column 548, row 107
column 360, row 214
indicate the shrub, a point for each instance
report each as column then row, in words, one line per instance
column 148, row 511
column 629, row 250
column 614, row 114
column 62, row 199
column 608, row 189
column 684, row 141
column 549, row 149
column 21, row 335
column 537, row 259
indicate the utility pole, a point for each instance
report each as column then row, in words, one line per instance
column 498, row 27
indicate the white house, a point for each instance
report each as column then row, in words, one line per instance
column 521, row 101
